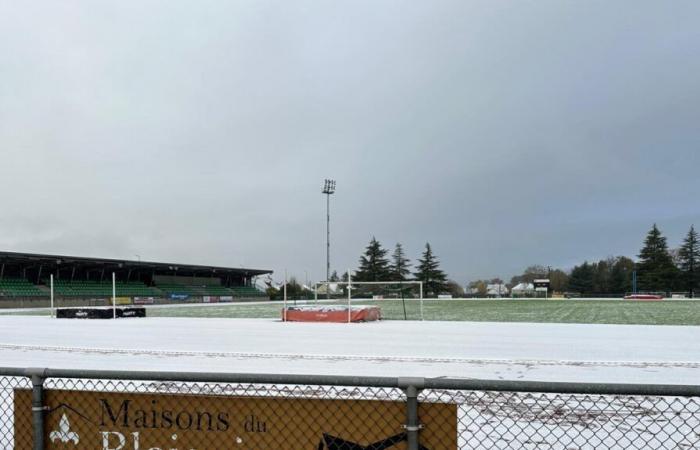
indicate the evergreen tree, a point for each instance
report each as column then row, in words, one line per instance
column 689, row 255
column 621, row 275
column 373, row 264
column 294, row 290
column 428, row 271
column 581, row 278
column 656, row 270
column 334, row 276
column 400, row 264
column 602, row 274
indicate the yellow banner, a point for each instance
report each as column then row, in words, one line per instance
column 123, row 421
column 122, row 300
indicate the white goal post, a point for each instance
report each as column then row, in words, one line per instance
column 352, row 284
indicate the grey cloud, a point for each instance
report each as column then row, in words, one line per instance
column 504, row 133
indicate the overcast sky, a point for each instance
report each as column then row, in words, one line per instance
column 505, row 133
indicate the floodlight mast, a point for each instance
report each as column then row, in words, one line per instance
column 328, row 190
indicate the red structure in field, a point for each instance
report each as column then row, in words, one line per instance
column 644, row 297
column 336, row 314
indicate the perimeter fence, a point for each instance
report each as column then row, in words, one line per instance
column 126, row 410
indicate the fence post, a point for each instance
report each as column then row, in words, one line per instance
column 37, row 376
column 412, row 387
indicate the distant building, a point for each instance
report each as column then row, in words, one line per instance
column 496, row 290
column 331, row 288
column 523, row 290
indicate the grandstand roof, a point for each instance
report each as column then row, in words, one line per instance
column 161, row 268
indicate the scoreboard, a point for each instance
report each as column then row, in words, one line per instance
column 541, row 284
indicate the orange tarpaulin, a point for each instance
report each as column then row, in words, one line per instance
column 331, row 314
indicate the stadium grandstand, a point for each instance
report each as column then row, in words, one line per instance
column 25, row 281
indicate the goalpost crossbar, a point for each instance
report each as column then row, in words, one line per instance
column 351, row 283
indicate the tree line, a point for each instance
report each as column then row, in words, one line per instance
column 376, row 264
column 658, row 269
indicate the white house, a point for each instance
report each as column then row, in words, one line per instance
column 496, row 290
column 523, row 290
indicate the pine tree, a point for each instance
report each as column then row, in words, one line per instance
column 373, row 264
column 621, row 275
column 581, row 279
column 656, row 270
column 334, row 276
column 428, row 271
column 689, row 255
column 400, row 264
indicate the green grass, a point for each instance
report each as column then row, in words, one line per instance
column 552, row 311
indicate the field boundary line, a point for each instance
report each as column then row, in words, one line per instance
column 368, row 358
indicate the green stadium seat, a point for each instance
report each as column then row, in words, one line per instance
column 15, row 287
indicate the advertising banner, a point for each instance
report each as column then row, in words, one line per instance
column 83, row 420
column 100, row 313
column 144, row 300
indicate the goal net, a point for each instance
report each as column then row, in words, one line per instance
column 398, row 300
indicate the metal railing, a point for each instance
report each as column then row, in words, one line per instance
column 129, row 410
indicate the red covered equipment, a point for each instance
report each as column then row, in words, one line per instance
column 338, row 314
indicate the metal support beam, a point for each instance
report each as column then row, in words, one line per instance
column 328, row 241
column 328, row 190
column 412, row 387
column 37, row 407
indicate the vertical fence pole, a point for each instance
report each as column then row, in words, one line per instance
column 349, row 296
column 412, row 387
column 284, row 302
column 421, row 299
column 38, row 409
column 114, row 295
column 53, row 311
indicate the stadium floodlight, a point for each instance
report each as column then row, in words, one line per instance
column 328, row 186
column 328, row 190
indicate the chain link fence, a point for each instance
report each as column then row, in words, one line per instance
column 10, row 384
column 61, row 409
column 526, row 420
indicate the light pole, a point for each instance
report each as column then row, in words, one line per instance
column 328, row 189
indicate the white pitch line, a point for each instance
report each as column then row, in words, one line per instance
column 377, row 358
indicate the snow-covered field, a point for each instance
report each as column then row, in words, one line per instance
column 514, row 351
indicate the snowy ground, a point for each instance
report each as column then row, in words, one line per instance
column 486, row 420
column 515, row 351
